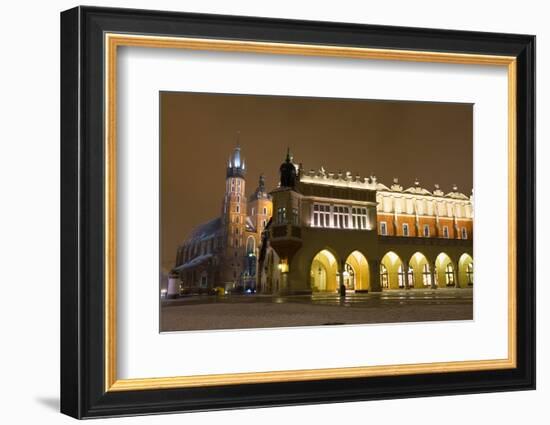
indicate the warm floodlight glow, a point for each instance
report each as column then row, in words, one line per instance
column 418, row 257
column 393, row 257
column 328, row 255
column 283, row 267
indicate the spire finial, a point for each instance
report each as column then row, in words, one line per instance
column 288, row 154
column 238, row 139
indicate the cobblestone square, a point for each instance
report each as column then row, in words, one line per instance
column 262, row 311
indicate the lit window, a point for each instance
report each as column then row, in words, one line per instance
column 426, row 275
column 383, row 228
column 405, row 229
column 401, row 276
column 340, row 217
column 250, row 243
column 426, row 231
column 295, row 218
column 464, row 233
column 346, row 217
column 470, row 273
column 315, row 215
column 321, row 215
column 384, row 281
column 449, row 275
column 253, row 211
column 281, row 215
column 445, row 231
column 411, row 277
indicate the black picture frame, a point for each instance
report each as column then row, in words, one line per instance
column 83, row 392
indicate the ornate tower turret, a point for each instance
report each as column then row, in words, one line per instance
column 236, row 166
column 288, row 172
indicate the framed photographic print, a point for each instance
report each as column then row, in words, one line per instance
column 261, row 212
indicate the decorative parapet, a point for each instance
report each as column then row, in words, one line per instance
column 339, row 179
column 347, row 179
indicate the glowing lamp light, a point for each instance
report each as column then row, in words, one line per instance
column 283, row 267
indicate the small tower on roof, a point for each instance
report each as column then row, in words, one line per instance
column 288, row 172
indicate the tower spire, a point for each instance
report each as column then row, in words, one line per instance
column 236, row 165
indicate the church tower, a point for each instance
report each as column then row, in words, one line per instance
column 234, row 217
column 261, row 207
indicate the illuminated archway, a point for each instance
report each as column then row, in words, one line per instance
column 420, row 269
column 465, row 271
column 250, row 245
column 445, row 271
column 323, row 272
column 392, row 272
column 356, row 272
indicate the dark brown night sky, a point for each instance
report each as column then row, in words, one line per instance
column 429, row 141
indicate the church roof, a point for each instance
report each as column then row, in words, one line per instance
column 193, row 262
column 205, row 230
column 250, row 225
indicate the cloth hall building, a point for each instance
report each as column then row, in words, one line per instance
column 320, row 231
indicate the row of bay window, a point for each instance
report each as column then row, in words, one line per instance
column 339, row 216
column 284, row 218
column 349, row 217
column 425, row 230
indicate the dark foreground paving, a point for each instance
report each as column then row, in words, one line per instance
column 261, row 311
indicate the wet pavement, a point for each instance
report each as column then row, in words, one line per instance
column 261, row 311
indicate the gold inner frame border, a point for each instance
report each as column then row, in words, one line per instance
column 113, row 40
